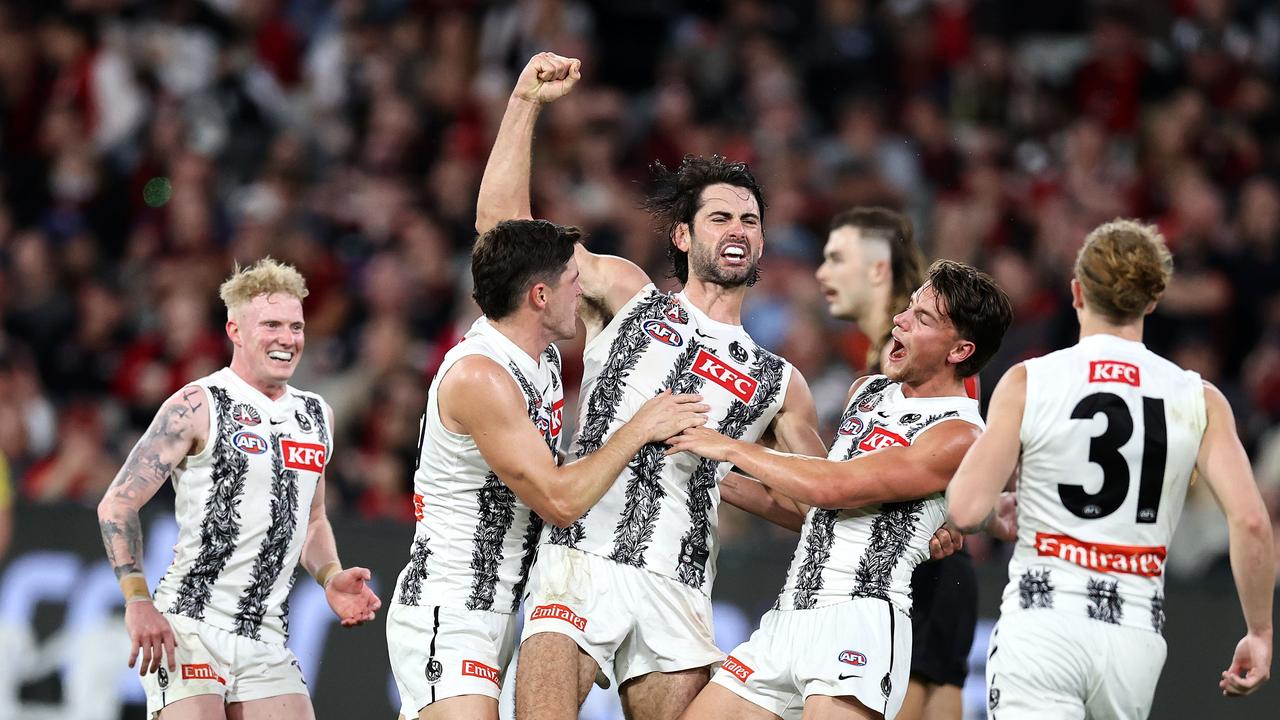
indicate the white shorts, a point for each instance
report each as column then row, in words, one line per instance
column 860, row 648
column 630, row 621
column 441, row 652
column 212, row 661
column 1047, row 664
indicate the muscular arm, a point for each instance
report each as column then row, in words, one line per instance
column 319, row 548
column 987, row 467
column 607, row 281
column 179, row 429
column 482, row 400
column 1225, row 467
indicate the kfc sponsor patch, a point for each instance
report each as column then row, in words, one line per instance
column 303, row 455
column 1114, row 371
column 879, row 438
column 737, row 382
column 418, row 506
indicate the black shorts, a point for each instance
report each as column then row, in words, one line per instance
column 944, row 611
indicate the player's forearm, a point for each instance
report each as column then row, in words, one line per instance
column 796, row 476
column 319, row 548
column 1253, row 565
column 504, row 188
column 121, row 535
column 580, row 484
column 757, row 499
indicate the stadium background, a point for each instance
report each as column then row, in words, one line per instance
column 144, row 146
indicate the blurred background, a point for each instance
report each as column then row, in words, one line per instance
column 145, row 146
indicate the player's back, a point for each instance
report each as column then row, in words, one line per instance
column 1110, row 435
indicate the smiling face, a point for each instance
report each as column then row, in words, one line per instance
column 727, row 237
column 267, row 333
column 924, row 341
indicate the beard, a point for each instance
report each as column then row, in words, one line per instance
column 704, row 264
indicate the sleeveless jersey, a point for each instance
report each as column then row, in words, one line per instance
column 871, row 551
column 475, row 540
column 662, row 512
column 1110, row 436
column 242, row 508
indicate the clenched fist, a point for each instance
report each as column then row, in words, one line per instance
column 547, row 78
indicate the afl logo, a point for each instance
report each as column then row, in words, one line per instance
column 245, row 414
column 853, row 657
column 663, row 333
column 851, row 425
column 248, row 443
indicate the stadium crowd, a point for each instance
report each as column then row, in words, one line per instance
column 146, row 145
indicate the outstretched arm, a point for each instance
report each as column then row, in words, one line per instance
column 1225, row 467
column 972, row 495
column 181, row 428
column 478, row 398
column 607, row 281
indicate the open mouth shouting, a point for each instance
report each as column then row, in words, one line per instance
column 897, row 351
column 735, row 252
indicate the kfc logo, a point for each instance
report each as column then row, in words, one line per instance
column 472, row 668
column 663, row 333
column 559, row 612
column 557, row 417
column 880, row 439
column 851, row 425
column 201, row 671
column 709, row 366
column 249, row 443
column 1114, row 371
column 734, row 667
column 853, row 657
column 418, row 505
column 1147, row 561
column 303, row 455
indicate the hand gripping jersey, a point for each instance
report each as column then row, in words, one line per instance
column 475, row 540
column 872, row 551
column 242, row 508
column 1109, row 437
column 661, row 513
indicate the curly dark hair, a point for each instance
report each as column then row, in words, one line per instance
column 514, row 255
column 978, row 309
column 677, row 196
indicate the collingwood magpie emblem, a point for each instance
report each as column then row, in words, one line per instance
column 737, row 352
column 304, row 422
column 909, row 418
column 434, row 671
column 162, row 678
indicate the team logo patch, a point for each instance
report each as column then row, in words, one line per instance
column 471, row 668
column 737, row 352
column 677, row 313
column 853, row 657
column 249, row 443
column 869, row 404
column 1104, row 371
column 879, row 438
column 909, row 418
column 303, row 455
column 245, row 414
column 304, row 422
column 663, row 333
column 734, row 667
column 851, row 425
column 162, row 678
column 726, row 376
column 886, row 685
column 201, row 671
column 559, row 612
column 993, row 698
column 434, row 671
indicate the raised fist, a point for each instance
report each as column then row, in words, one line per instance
column 547, row 78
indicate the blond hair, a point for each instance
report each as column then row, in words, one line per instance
column 1123, row 267
column 265, row 277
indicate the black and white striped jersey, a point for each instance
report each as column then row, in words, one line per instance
column 872, row 551
column 1110, row 435
column 662, row 512
column 475, row 540
column 242, row 507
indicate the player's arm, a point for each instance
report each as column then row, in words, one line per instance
column 607, row 281
column 1225, row 467
column 180, row 428
column 987, row 467
column 484, row 402
column 347, row 591
column 762, row 501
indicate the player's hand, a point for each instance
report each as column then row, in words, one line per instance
column 1004, row 524
column 547, row 78
column 1250, row 666
column 151, row 635
column 350, row 596
column 667, row 414
column 702, row 441
column 946, row 542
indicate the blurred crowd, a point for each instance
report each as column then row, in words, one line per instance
column 146, row 145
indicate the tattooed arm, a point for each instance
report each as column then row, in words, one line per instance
column 181, row 428
column 346, row 590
